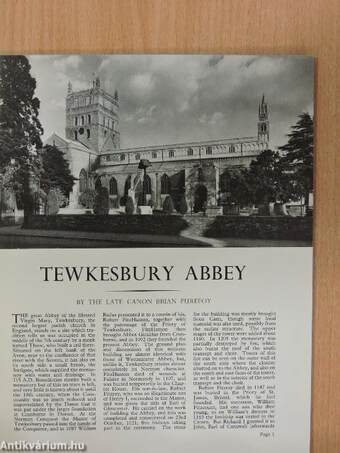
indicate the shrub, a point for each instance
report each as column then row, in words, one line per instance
column 86, row 198
column 52, row 203
column 129, row 206
column 183, row 206
column 168, row 205
column 62, row 199
column 101, row 202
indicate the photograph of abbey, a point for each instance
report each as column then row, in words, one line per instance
column 156, row 151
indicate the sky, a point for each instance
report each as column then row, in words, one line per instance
column 178, row 98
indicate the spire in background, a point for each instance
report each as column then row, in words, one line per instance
column 263, row 121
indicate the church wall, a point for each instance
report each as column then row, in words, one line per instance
column 198, row 167
column 211, row 171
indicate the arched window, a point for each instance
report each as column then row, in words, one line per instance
column 76, row 121
column 127, row 185
column 147, row 184
column 88, row 133
column 225, row 182
column 113, row 189
column 165, row 184
column 89, row 119
column 82, row 180
column 75, row 135
column 232, row 148
column 154, row 155
column 171, row 153
column 190, row 152
column 137, row 156
column 82, row 120
column 208, row 150
column 122, row 157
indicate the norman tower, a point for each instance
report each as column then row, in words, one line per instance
column 92, row 116
column 263, row 123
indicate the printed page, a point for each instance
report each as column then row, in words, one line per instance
column 156, row 253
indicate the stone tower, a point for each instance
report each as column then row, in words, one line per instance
column 263, row 123
column 92, row 116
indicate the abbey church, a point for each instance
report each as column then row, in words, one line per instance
column 193, row 170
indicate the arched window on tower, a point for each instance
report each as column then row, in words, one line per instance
column 76, row 121
column 82, row 180
column 165, row 184
column 113, row 189
column 89, row 119
column 88, row 133
column 76, row 135
column 190, row 152
column 82, row 120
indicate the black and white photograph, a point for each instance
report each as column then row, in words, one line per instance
column 156, row 151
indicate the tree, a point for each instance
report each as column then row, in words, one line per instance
column 55, row 171
column 263, row 182
column 183, row 206
column 86, row 198
column 265, row 178
column 101, row 202
column 129, row 206
column 298, row 155
column 52, row 203
column 235, row 187
column 20, row 128
column 168, row 205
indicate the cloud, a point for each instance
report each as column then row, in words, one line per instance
column 142, row 84
column 70, row 61
column 215, row 59
column 169, row 98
